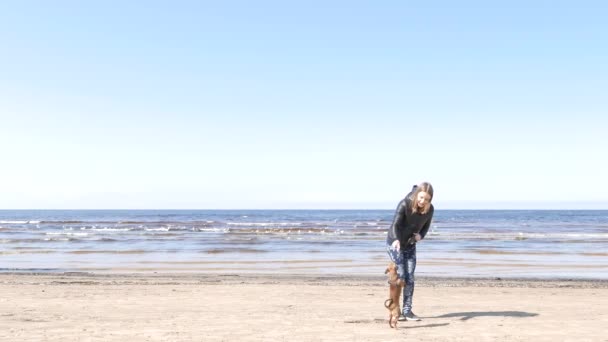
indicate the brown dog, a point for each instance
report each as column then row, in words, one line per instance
column 396, row 286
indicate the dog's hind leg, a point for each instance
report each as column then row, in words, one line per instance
column 389, row 304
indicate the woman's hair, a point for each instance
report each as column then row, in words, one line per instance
column 422, row 187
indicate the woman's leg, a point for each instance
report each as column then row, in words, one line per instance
column 409, row 262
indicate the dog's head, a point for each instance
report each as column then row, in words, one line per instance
column 393, row 277
column 391, row 270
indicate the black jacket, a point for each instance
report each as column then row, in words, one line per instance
column 406, row 223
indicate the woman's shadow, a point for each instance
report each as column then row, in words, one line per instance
column 472, row 314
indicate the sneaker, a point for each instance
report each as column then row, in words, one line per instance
column 410, row 316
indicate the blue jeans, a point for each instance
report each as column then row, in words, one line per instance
column 405, row 259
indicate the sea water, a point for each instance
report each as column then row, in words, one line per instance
column 460, row 243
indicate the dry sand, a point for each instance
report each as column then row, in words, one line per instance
column 119, row 307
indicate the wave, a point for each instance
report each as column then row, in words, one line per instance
column 233, row 250
column 503, row 252
column 128, row 222
column 29, row 251
column 282, row 230
column 529, row 252
column 133, row 251
column 518, row 236
column 108, row 229
column 264, row 224
column 67, row 233
column 106, row 239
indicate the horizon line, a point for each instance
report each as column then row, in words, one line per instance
column 287, row 209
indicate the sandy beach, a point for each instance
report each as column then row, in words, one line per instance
column 202, row 307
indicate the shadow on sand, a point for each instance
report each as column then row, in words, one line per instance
column 472, row 314
column 423, row 326
column 400, row 324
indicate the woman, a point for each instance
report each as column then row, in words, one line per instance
column 410, row 225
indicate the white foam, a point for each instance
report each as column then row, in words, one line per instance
column 165, row 229
column 518, row 235
column 106, row 229
column 214, row 230
column 250, row 224
column 265, row 224
column 68, row 234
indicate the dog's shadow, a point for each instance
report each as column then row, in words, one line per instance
column 472, row 314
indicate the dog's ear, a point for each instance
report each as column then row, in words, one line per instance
column 387, row 270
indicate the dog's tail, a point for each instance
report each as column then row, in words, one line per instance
column 388, row 303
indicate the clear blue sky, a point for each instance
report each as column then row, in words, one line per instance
column 303, row 104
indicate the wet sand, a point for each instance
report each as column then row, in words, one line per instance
column 288, row 307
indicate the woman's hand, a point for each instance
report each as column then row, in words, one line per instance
column 417, row 236
column 396, row 245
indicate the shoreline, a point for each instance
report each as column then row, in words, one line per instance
column 158, row 278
